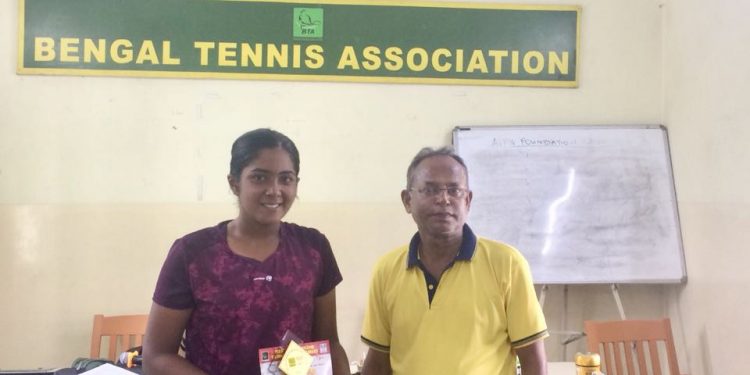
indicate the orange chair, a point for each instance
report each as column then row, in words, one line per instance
column 125, row 330
column 623, row 344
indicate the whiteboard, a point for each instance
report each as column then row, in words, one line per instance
column 584, row 204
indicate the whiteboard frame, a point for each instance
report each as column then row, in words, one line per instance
column 670, row 176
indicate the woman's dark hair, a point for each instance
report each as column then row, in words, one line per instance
column 247, row 147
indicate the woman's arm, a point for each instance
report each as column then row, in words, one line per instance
column 162, row 342
column 324, row 328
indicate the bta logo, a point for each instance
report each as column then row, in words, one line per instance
column 308, row 23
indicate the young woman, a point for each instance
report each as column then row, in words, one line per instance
column 241, row 285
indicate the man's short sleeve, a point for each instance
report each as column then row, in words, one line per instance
column 376, row 328
column 526, row 322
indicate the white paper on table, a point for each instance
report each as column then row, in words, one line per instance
column 108, row 369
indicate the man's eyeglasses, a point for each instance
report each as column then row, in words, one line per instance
column 434, row 191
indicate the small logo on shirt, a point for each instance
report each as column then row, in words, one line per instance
column 268, row 278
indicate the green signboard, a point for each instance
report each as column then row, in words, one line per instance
column 365, row 41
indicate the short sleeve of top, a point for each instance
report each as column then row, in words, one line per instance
column 240, row 304
column 526, row 322
column 376, row 327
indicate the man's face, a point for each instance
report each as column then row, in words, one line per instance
column 439, row 199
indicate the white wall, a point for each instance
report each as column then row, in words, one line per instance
column 706, row 79
column 99, row 175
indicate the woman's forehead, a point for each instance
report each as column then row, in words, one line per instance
column 272, row 159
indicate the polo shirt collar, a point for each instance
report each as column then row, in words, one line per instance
column 465, row 252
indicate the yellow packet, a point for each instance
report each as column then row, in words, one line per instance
column 296, row 361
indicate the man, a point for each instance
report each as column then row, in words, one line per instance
column 450, row 303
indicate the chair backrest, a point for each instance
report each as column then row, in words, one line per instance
column 625, row 344
column 124, row 332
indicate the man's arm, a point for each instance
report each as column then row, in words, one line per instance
column 324, row 328
column 377, row 363
column 162, row 342
column 533, row 358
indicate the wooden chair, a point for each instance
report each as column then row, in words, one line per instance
column 125, row 330
column 625, row 344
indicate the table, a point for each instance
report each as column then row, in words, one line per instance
column 561, row 368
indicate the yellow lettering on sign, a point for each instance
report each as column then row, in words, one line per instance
column 393, row 59
column 69, row 50
column 371, row 55
column 314, row 54
column 296, row 55
column 44, row 49
column 348, row 59
column 276, row 55
column 252, row 54
column 147, row 52
column 497, row 56
column 167, row 58
column 204, row 48
column 227, row 53
column 476, row 61
column 98, row 51
column 300, row 56
column 537, row 66
column 438, row 64
column 459, row 61
column 411, row 57
column 558, row 63
column 121, row 51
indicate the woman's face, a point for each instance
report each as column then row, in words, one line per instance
column 267, row 187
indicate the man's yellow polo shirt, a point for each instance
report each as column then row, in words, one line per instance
column 483, row 307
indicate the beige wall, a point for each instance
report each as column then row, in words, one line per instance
column 706, row 82
column 99, row 175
